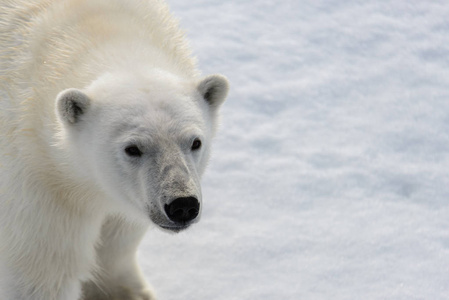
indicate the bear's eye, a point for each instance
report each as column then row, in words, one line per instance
column 133, row 151
column 196, row 144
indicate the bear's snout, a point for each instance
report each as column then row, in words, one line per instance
column 183, row 210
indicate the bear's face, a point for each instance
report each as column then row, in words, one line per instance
column 145, row 140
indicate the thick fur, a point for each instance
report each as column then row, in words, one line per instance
column 80, row 80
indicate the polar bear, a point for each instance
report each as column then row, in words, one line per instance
column 106, row 126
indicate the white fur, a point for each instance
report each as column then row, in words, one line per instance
column 73, row 205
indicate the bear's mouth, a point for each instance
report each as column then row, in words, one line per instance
column 174, row 228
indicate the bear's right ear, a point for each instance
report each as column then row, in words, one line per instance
column 71, row 105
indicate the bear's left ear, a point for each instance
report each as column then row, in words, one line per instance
column 214, row 89
column 71, row 105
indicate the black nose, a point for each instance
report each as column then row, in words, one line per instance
column 183, row 210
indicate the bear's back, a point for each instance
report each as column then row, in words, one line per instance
column 41, row 41
column 49, row 45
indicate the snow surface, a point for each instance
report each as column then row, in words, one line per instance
column 329, row 178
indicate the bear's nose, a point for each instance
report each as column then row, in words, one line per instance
column 183, row 210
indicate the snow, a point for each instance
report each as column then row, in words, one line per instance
column 329, row 177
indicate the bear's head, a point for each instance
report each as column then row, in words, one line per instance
column 144, row 140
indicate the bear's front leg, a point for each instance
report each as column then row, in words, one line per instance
column 118, row 276
column 16, row 286
column 45, row 256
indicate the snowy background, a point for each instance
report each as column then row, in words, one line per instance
column 329, row 177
